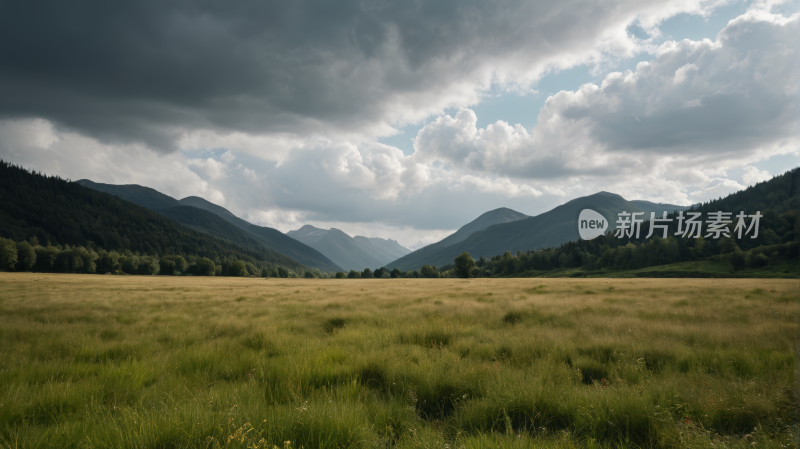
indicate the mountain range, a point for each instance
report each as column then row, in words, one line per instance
column 204, row 216
column 502, row 230
column 327, row 250
column 352, row 253
column 492, row 233
column 52, row 210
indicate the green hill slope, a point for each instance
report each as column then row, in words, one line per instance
column 269, row 237
column 542, row 231
column 432, row 254
column 773, row 252
column 218, row 223
column 136, row 194
column 52, row 209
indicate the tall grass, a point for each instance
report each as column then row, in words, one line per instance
column 90, row 361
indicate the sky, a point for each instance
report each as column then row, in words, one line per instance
column 403, row 119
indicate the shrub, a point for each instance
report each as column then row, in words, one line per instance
column 8, row 254
column 760, row 261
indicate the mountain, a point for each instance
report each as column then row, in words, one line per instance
column 308, row 234
column 67, row 213
column 217, row 221
column 389, row 247
column 420, row 244
column 136, row 194
column 344, row 250
column 658, row 208
column 523, row 233
column 429, row 253
column 351, row 253
column 196, row 201
column 771, row 249
column 269, row 237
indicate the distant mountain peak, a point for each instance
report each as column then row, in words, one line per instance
column 603, row 194
column 309, row 227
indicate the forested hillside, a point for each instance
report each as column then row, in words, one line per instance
column 775, row 248
column 438, row 254
column 54, row 210
column 217, row 221
column 548, row 229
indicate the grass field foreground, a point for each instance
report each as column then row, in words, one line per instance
column 122, row 361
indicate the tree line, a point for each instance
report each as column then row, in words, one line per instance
column 33, row 257
column 67, row 214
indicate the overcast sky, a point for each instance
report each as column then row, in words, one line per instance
column 402, row 119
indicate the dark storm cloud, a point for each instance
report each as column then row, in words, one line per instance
column 149, row 70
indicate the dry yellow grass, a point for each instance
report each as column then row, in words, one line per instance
column 395, row 362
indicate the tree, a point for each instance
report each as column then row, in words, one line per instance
column 180, row 264
column 353, row 274
column 738, row 260
column 366, row 274
column 26, row 256
column 428, row 271
column 283, row 272
column 475, row 272
column 8, row 254
column 46, row 258
column 149, row 267
column 727, row 245
column 238, row 268
column 464, row 263
column 340, row 275
column 128, row 264
column 205, row 267
column 396, row 273
column 173, row 265
column 760, row 261
column 308, row 275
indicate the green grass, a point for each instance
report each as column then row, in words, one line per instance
column 132, row 362
column 714, row 267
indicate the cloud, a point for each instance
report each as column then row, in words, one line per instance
column 38, row 145
column 718, row 189
column 715, row 105
column 280, row 108
column 251, row 175
column 753, row 175
column 166, row 74
column 502, row 186
column 227, row 157
column 212, row 168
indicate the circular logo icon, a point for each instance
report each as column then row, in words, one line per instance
column 591, row 224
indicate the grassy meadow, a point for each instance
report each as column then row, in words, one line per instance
column 171, row 362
